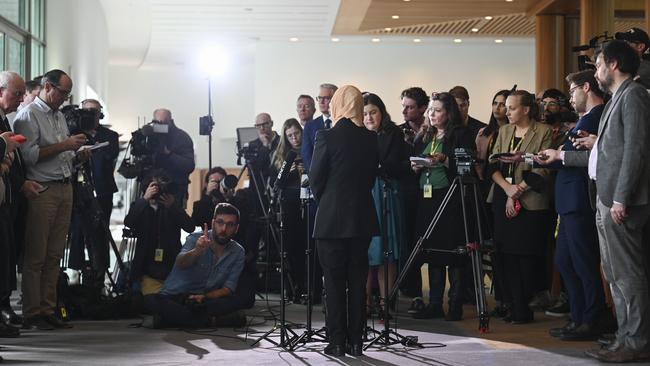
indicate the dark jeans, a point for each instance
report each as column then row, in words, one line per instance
column 345, row 266
column 175, row 312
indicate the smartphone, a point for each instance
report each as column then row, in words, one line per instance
column 43, row 189
column 571, row 134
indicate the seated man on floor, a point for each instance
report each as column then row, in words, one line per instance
column 202, row 283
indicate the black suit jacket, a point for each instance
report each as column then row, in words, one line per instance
column 103, row 161
column 342, row 174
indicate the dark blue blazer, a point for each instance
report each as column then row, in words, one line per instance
column 309, row 138
column 571, row 184
column 104, row 160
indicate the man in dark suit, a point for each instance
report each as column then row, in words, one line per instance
column 461, row 95
column 343, row 172
column 15, row 189
column 323, row 121
column 576, row 254
column 103, row 161
column 619, row 162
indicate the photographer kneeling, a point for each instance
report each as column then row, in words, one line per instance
column 156, row 219
column 204, row 277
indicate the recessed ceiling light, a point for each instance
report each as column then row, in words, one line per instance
column 498, row 41
column 474, row 30
column 488, row 18
column 376, row 40
column 417, row 40
column 388, row 29
column 395, row 17
column 458, row 40
column 335, row 39
column 293, row 39
column 406, row 1
column 508, row 1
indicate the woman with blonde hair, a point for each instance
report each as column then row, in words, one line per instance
column 342, row 174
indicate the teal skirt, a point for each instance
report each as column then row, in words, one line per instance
column 394, row 223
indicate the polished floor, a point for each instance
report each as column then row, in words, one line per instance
column 444, row 343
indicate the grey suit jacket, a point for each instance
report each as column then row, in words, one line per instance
column 623, row 170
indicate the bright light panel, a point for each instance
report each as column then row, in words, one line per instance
column 213, row 61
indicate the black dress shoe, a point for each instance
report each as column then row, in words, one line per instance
column 335, row 350
column 7, row 331
column 557, row 332
column 585, row 332
column 354, row 350
column 56, row 322
column 38, row 322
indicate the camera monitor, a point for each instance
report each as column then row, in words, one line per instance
column 245, row 135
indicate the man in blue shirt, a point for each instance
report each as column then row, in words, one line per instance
column 204, row 277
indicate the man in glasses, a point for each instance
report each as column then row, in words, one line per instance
column 205, row 276
column 49, row 155
column 326, row 91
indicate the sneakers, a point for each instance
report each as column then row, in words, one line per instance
column 417, row 306
column 541, row 301
column 561, row 307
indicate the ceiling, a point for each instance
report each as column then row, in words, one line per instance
column 145, row 33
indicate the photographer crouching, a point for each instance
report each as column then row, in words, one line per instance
column 156, row 219
column 204, row 277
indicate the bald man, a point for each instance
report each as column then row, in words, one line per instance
column 176, row 153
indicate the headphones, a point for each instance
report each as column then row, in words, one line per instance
column 101, row 114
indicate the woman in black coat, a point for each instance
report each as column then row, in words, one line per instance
column 342, row 174
column 438, row 146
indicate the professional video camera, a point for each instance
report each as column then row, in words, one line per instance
column 465, row 160
column 584, row 62
column 145, row 143
column 79, row 120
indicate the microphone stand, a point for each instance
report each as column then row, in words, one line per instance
column 309, row 333
column 387, row 336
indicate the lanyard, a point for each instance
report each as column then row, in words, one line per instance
column 434, row 146
column 511, row 149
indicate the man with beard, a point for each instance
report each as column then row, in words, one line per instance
column 203, row 281
column 619, row 163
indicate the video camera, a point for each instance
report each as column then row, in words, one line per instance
column 584, row 62
column 150, row 139
column 79, row 120
column 465, row 160
column 250, row 152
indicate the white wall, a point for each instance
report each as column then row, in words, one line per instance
column 77, row 43
column 267, row 77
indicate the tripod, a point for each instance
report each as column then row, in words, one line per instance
column 387, row 336
column 473, row 249
column 309, row 333
column 282, row 328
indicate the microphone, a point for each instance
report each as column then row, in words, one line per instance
column 283, row 174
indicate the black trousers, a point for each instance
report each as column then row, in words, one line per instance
column 345, row 267
column 520, row 274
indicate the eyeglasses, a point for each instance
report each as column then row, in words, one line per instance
column 575, row 87
column 323, row 98
column 228, row 225
column 65, row 93
column 262, row 125
column 550, row 104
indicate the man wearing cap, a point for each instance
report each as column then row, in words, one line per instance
column 638, row 39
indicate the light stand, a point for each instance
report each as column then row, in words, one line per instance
column 206, row 123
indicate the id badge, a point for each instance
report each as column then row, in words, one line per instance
column 509, row 180
column 428, row 191
column 158, row 257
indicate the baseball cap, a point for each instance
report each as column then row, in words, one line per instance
column 634, row 35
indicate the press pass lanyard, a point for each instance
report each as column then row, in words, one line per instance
column 428, row 188
column 512, row 148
